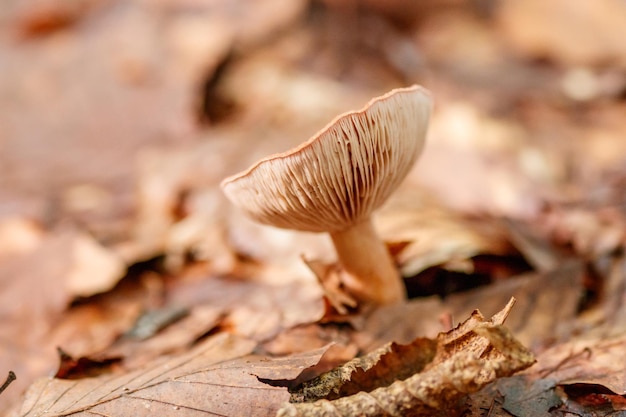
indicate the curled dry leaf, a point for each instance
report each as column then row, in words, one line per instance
column 457, row 363
column 379, row 368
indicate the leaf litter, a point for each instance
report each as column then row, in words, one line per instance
column 524, row 166
column 426, row 377
column 216, row 377
column 210, row 378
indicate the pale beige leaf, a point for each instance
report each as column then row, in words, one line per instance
column 218, row 377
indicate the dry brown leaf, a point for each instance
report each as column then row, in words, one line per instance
column 37, row 287
column 515, row 396
column 253, row 309
column 584, row 360
column 179, row 335
column 95, row 268
column 390, row 323
column 313, row 336
column 331, row 279
column 86, row 329
column 457, row 363
column 377, row 369
column 218, row 377
column 537, row 252
column 546, row 303
column 434, row 235
column 71, row 367
column 591, row 232
column 579, row 377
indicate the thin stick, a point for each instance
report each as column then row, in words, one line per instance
column 10, row 378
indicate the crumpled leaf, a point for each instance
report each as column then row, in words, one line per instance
column 379, row 368
column 218, row 377
column 457, row 363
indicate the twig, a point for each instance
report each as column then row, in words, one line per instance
column 10, row 378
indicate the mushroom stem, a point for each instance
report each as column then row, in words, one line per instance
column 371, row 274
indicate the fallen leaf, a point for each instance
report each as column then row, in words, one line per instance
column 35, row 293
column 588, row 361
column 331, row 278
column 433, row 234
column 389, row 323
column 542, row 255
column 377, row 369
column 515, row 396
column 253, row 309
column 593, row 398
column 173, row 338
column 546, row 303
column 218, row 377
column 430, row 375
column 95, row 269
column 82, row 367
column 312, row 336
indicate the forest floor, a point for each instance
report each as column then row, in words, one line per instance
column 130, row 285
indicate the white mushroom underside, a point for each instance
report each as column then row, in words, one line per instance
column 342, row 174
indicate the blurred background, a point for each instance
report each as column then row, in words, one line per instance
column 97, row 96
column 119, row 118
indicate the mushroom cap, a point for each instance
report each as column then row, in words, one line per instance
column 343, row 173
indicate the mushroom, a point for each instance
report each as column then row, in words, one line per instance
column 333, row 182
